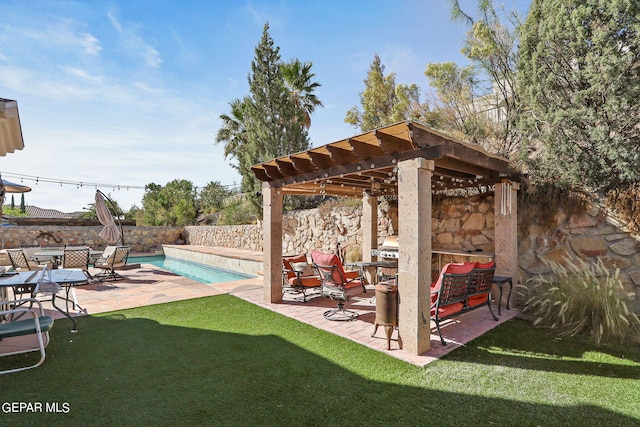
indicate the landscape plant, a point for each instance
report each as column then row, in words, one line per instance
column 582, row 298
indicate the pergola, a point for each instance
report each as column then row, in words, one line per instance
column 410, row 161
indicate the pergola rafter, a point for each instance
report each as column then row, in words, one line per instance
column 368, row 162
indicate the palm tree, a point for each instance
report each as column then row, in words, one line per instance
column 233, row 130
column 298, row 79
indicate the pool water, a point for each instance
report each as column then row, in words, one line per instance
column 200, row 272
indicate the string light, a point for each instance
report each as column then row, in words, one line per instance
column 80, row 184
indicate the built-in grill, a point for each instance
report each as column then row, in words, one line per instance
column 389, row 248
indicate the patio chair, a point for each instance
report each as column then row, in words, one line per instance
column 298, row 276
column 23, row 319
column 113, row 257
column 76, row 257
column 21, row 262
column 337, row 284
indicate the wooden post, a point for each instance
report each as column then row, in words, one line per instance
column 272, row 228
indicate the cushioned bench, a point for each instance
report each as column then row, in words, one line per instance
column 461, row 288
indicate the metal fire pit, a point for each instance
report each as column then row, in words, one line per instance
column 387, row 310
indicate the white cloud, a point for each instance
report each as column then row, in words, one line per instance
column 134, row 43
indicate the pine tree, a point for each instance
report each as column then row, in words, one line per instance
column 266, row 124
column 579, row 79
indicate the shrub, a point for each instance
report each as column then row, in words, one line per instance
column 582, row 298
column 237, row 211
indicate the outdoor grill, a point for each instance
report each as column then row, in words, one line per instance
column 389, row 248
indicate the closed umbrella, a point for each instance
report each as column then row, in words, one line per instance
column 111, row 233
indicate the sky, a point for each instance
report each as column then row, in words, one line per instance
column 124, row 93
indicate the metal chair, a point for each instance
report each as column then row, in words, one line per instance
column 295, row 278
column 24, row 319
column 337, row 284
column 112, row 258
column 75, row 258
column 21, row 262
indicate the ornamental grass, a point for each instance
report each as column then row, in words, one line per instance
column 582, row 298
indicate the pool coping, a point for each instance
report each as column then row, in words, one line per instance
column 237, row 260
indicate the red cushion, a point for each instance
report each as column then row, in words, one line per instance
column 452, row 269
column 478, row 299
column 306, row 281
column 329, row 260
column 489, row 264
column 459, row 268
column 448, row 310
column 354, row 274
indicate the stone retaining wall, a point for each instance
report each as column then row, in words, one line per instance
column 457, row 224
column 591, row 236
column 141, row 239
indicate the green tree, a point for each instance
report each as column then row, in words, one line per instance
column 23, row 207
column 298, row 79
column 266, row 124
column 174, row 204
column 579, row 78
column 13, row 212
column 477, row 103
column 212, row 197
column 383, row 102
column 455, row 102
column 377, row 100
column 92, row 214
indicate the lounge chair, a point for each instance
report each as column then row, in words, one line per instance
column 25, row 319
column 337, row 284
column 113, row 257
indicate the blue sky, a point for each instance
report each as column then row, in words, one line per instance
column 129, row 92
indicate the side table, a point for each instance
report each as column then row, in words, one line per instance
column 500, row 281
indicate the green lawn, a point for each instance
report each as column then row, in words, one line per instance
column 222, row 361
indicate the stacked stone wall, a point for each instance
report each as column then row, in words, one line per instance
column 461, row 224
column 591, row 236
column 141, row 239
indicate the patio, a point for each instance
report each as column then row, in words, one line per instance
column 150, row 285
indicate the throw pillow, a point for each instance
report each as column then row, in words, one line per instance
column 303, row 267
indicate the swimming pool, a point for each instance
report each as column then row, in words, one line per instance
column 200, row 272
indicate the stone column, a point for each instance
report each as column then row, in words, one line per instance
column 369, row 231
column 272, row 252
column 506, row 230
column 414, row 263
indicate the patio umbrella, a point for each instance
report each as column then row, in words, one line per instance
column 12, row 187
column 111, row 233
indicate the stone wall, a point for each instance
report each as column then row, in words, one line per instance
column 591, row 236
column 302, row 231
column 464, row 224
column 141, row 239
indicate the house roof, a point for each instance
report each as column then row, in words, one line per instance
column 36, row 212
column 10, row 129
column 368, row 162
